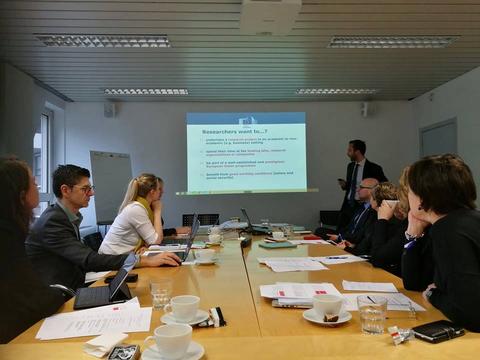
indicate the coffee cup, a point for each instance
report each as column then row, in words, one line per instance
column 172, row 340
column 278, row 235
column 215, row 238
column 205, row 255
column 326, row 304
column 215, row 230
column 183, row 308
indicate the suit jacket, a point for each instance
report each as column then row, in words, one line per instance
column 370, row 170
column 364, row 228
column 25, row 299
column 59, row 256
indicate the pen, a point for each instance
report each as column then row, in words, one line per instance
column 369, row 298
column 337, row 257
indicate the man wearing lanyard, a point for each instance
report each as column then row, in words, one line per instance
column 358, row 169
column 54, row 246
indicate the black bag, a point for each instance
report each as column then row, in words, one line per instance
column 93, row 241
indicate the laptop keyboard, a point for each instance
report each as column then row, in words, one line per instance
column 90, row 297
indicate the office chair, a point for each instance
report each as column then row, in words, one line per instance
column 329, row 218
column 205, row 219
column 93, row 241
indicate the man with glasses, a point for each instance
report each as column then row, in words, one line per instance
column 54, row 245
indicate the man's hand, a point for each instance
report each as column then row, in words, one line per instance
column 332, row 237
column 166, row 258
column 428, row 292
column 342, row 183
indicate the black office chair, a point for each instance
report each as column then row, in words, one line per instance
column 205, row 219
column 93, row 241
column 329, row 218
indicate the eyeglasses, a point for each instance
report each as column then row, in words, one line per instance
column 87, row 188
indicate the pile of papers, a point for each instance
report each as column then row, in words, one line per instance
column 339, row 259
column 395, row 301
column 284, row 264
column 308, row 242
column 126, row 317
column 296, row 293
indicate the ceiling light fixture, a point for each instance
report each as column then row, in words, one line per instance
column 390, row 42
column 104, row 41
column 138, row 91
column 333, row 91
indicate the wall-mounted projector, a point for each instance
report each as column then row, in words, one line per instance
column 274, row 17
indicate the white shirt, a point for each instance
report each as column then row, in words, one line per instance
column 359, row 178
column 129, row 226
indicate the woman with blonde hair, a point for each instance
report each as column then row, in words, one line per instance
column 139, row 221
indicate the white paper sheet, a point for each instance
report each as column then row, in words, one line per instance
column 308, row 242
column 303, row 291
column 117, row 318
column 369, row 286
column 396, row 301
column 294, row 264
column 340, row 259
column 94, row 276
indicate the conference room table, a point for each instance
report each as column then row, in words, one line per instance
column 254, row 328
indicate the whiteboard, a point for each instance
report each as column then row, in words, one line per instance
column 111, row 173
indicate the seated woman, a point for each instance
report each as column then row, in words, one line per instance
column 389, row 233
column 442, row 192
column 27, row 299
column 139, row 221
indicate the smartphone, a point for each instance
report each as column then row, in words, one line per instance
column 130, row 278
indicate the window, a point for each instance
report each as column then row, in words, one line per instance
column 41, row 159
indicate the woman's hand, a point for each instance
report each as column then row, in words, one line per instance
column 428, row 292
column 416, row 226
column 183, row 230
column 344, row 244
column 385, row 211
column 156, row 206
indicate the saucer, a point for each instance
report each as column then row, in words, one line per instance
column 312, row 316
column 205, row 262
column 201, row 316
column 195, row 351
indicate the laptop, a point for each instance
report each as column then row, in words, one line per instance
column 255, row 230
column 116, row 292
column 178, row 240
column 184, row 251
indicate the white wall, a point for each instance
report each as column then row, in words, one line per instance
column 458, row 98
column 154, row 134
column 21, row 105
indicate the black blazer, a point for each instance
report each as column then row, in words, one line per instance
column 58, row 256
column 370, row 170
column 24, row 298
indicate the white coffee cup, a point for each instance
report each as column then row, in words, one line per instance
column 215, row 238
column 205, row 255
column 172, row 340
column 278, row 235
column 215, row 230
column 183, row 308
column 326, row 304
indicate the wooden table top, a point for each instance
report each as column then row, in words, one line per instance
column 255, row 329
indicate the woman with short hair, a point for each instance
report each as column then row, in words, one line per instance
column 26, row 298
column 139, row 221
column 442, row 193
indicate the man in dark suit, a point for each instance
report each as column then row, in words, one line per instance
column 358, row 169
column 54, row 246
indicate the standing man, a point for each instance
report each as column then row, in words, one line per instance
column 358, row 169
column 54, row 246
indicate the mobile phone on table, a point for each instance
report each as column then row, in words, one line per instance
column 130, row 278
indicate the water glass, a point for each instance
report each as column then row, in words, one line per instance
column 373, row 311
column 161, row 290
column 265, row 222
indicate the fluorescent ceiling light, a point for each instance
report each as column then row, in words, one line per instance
column 137, row 91
column 390, row 42
column 104, row 41
column 335, row 91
